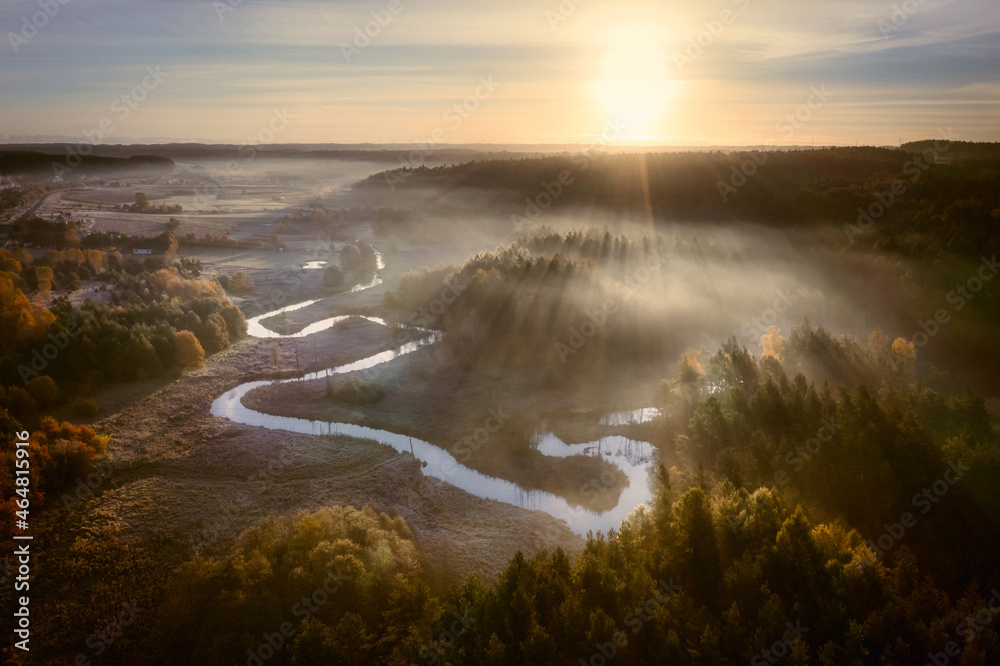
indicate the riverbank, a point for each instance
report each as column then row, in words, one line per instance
column 194, row 481
column 486, row 422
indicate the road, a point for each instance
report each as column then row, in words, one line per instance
column 35, row 206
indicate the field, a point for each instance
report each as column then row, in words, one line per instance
column 240, row 212
column 427, row 398
column 592, row 363
column 176, row 464
column 572, row 334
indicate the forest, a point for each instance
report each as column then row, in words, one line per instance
column 450, row 333
column 824, row 493
column 850, row 545
column 948, row 202
column 158, row 318
column 35, row 164
column 518, row 302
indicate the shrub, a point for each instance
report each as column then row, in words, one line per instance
column 86, row 408
column 44, row 390
column 355, row 392
column 240, row 283
column 333, row 277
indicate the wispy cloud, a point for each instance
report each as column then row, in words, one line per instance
column 940, row 65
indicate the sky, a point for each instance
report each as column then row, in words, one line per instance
column 680, row 72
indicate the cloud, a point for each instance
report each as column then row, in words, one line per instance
column 941, row 64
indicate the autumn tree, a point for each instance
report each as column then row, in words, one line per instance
column 240, row 283
column 363, row 563
column 166, row 243
column 188, row 350
column 43, row 277
column 21, row 321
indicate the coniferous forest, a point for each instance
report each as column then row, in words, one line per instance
column 561, row 333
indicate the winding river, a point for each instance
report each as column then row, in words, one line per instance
column 632, row 457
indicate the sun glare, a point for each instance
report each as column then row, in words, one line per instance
column 634, row 86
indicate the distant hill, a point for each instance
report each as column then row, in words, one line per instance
column 389, row 153
column 950, row 201
column 30, row 163
column 958, row 150
column 369, row 152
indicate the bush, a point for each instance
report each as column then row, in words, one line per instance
column 389, row 300
column 355, row 392
column 333, row 277
column 350, row 256
column 86, row 408
column 44, row 390
column 22, row 406
column 240, row 283
column 71, row 282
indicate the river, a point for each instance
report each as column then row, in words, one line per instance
column 633, row 457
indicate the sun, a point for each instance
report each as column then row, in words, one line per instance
column 634, row 86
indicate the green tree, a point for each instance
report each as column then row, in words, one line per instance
column 44, row 390
column 333, row 277
column 166, row 243
column 698, row 545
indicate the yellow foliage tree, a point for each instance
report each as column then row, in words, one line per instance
column 905, row 350
column 187, row 350
column 20, row 319
column 772, row 342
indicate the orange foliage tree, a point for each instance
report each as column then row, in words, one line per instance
column 21, row 322
column 188, row 350
column 58, row 454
